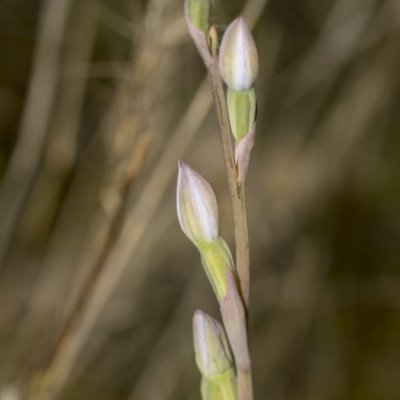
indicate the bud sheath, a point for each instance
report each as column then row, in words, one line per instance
column 216, row 257
column 241, row 111
column 223, row 387
column 198, row 12
column 233, row 315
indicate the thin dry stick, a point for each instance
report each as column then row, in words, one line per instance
column 62, row 345
column 138, row 158
column 25, row 158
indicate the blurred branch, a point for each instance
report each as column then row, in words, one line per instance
column 61, row 147
column 300, row 290
column 59, row 157
column 337, row 42
column 315, row 169
column 25, row 158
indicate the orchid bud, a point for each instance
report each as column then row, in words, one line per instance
column 198, row 216
column 241, row 111
column 214, row 359
column 198, row 12
column 197, row 206
column 212, row 351
column 238, row 57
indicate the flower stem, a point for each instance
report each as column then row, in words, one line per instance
column 238, row 199
column 245, row 385
column 236, row 189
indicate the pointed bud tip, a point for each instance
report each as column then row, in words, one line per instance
column 238, row 23
column 198, row 315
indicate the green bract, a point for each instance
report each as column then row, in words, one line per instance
column 216, row 257
column 222, row 387
column 198, row 12
column 241, row 111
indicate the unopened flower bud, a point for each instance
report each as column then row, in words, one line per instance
column 212, row 351
column 198, row 12
column 238, row 57
column 197, row 206
column 198, row 216
column 241, row 111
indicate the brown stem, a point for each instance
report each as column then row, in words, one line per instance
column 238, row 199
column 245, row 385
column 84, row 295
column 236, row 190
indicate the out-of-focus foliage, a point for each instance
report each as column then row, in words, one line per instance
column 118, row 100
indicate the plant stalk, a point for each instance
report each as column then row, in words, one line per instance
column 236, row 190
column 245, row 384
column 238, row 199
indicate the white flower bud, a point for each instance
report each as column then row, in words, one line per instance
column 238, row 57
column 197, row 206
column 212, row 351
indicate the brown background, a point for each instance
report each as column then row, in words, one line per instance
column 98, row 101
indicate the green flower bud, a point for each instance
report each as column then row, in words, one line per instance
column 198, row 12
column 197, row 206
column 241, row 111
column 238, row 57
column 213, row 356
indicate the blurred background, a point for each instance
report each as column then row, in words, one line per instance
column 98, row 101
